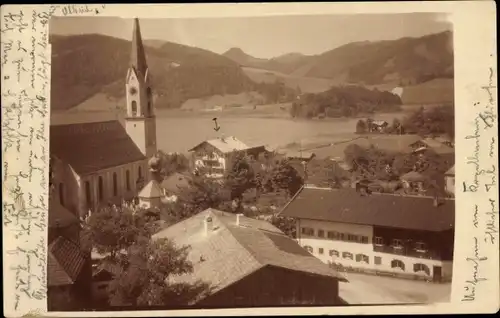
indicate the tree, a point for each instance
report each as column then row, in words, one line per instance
column 285, row 177
column 143, row 280
column 286, row 225
column 172, row 162
column 143, row 265
column 111, row 230
column 240, row 177
column 361, row 127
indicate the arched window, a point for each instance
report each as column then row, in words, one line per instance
column 101, row 188
column 421, row 268
column 115, row 184
column 61, row 194
column 396, row 263
column 134, row 108
column 88, row 194
column 127, row 177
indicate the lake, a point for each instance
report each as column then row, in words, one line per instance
column 178, row 132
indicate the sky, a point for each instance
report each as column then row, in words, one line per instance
column 263, row 37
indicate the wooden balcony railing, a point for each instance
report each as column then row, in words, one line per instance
column 407, row 251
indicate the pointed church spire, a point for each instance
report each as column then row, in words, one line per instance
column 137, row 56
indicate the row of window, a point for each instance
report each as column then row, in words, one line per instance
column 362, row 258
column 333, row 235
column 347, row 237
column 100, row 187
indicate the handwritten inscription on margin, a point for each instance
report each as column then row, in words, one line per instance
column 25, row 111
column 483, row 181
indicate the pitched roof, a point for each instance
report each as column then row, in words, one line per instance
column 59, row 216
column 450, row 171
column 90, row 147
column 378, row 209
column 225, row 144
column 138, row 56
column 151, row 190
column 65, row 262
column 175, row 182
column 230, row 252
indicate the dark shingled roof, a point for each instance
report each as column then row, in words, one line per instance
column 65, row 262
column 90, row 147
column 385, row 210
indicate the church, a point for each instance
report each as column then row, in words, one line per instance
column 99, row 163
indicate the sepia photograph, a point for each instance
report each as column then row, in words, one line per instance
column 267, row 161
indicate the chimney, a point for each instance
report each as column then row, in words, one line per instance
column 208, row 224
column 238, row 218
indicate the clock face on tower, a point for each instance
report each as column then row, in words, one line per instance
column 132, row 91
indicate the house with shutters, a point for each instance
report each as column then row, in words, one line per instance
column 215, row 156
column 393, row 234
column 106, row 162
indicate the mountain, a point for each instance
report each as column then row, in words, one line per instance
column 405, row 61
column 84, row 65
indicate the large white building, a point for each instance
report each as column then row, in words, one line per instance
column 377, row 233
column 106, row 162
column 215, row 156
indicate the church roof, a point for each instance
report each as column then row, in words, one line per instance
column 90, row 147
column 151, row 190
column 138, row 56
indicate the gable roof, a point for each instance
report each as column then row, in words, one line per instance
column 64, row 262
column 377, row 209
column 59, row 216
column 224, row 144
column 451, row 171
column 151, row 190
column 231, row 252
column 90, row 147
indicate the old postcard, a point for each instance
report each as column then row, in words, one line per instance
column 236, row 159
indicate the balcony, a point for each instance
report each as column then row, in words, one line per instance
column 407, row 251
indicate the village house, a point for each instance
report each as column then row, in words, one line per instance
column 378, row 126
column 105, row 162
column 449, row 178
column 215, row 156
column 68, row 276
column 404, row 236
column 62, row 223
column 244, row 262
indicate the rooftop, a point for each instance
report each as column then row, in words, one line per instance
column 90, row 147
column 450, row 171
column 225, row 144
column 229, row 252
column 64, row 262
column 151, row 190
column 377, row 209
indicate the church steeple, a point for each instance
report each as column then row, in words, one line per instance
column 140, row 122
column 137, row 56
